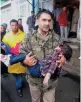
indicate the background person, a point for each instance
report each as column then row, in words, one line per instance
column 41, row 43
column 31, row 22
column 20, row 24
column 13, row 38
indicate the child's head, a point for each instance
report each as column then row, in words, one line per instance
column 66, row 51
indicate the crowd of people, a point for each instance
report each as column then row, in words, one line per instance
column 65, row 21
column 42, row 54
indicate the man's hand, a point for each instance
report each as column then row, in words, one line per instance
column 46, row 79
column 30, row 59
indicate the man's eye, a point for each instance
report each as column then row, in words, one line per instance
column 44, row 19
column 49, row 20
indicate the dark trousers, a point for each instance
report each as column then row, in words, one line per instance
column 8, row 90
column 19, row 80
column 57, row 28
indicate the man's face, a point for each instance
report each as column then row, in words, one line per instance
column 1, row 29
column 44, row 22
column 5, row 27
column 20, row 22
column 14, row 26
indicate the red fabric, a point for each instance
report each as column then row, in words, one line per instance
column 62, row 19
column 21, row 27
column 15, row 50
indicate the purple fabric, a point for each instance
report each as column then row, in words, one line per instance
column 49, row 65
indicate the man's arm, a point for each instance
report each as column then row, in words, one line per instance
column 46, row 79
column 24, row 47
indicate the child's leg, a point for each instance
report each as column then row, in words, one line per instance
column 35, row 70
column 17, row 58
column 5, row 59
column 18, row 78
column 1, row 57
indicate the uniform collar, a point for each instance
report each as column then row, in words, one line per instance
column 42, row 38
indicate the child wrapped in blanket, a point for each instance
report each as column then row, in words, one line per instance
column 44, row 68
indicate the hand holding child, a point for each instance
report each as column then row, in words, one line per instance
column 30, row 59
column 46, row 79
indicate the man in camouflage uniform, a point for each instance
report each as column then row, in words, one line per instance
column 41, row 43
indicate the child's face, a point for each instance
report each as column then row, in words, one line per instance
column 58, row 48
column 62, row 59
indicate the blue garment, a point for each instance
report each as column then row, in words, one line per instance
column 19, row 80
column 57, row 12
column 33, row 70
column 57, row 30
column 18, row 77
column 7, row 48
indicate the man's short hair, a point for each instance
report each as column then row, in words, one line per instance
column 44, row 11
column 19, row 19
column 13, row 20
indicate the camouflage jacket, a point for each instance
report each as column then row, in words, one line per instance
column 40, row 46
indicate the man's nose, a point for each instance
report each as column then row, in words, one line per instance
column 47, row 23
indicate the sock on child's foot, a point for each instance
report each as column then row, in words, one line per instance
column 6, row 60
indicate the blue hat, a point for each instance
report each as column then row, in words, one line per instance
column 4, row 25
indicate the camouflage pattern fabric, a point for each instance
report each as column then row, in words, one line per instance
column 40, row 47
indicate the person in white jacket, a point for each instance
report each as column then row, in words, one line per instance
column 75, row 21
